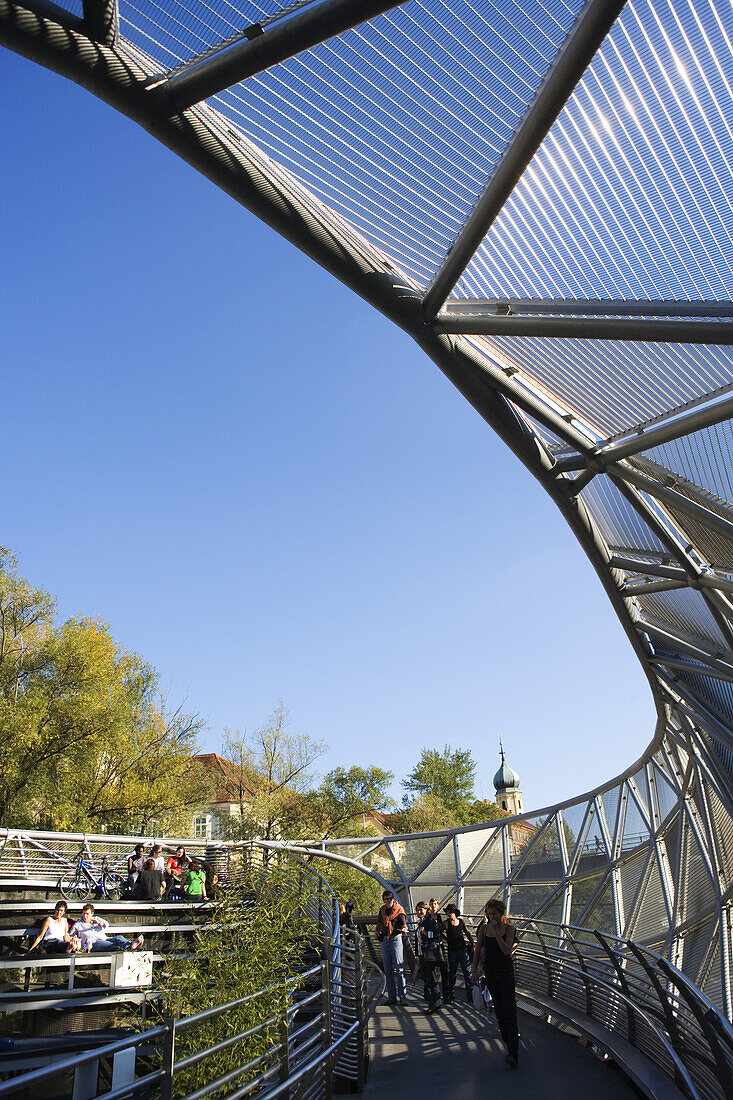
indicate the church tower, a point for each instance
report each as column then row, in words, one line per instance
column 506, row 785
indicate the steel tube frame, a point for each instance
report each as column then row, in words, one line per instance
column 102, row 20
column 586, row 307
column 673, row 499
column 705, row 416
column 694, row 649
column 590, row 28
column 586, row 328
column 629, row 565
column 121, row 76
column 250, row 55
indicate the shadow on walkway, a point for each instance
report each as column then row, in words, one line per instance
column 458, row 1053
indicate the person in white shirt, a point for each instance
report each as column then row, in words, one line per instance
column 90, row 933
column 54, row 932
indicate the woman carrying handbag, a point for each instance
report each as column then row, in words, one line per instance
column 495, row 944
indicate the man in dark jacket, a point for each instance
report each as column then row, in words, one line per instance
column 428, row 935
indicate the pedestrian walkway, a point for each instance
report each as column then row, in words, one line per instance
column 458, row 1054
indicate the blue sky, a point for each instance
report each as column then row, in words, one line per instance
column 269, row 491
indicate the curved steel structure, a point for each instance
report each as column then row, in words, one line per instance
column 541, row 194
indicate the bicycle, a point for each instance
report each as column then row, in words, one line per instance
column 79, row 882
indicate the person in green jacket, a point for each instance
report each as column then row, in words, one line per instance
column 196, row 884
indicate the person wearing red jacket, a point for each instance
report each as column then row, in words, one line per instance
column 391, row 927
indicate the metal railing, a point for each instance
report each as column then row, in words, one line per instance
column 623, row 998
column 581, row 975
column 317, row 1032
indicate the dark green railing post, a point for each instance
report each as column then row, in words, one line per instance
column 708, row 1023
column 169, row 1054
column 623, row 983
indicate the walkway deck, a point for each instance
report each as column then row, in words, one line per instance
column 458, row 1055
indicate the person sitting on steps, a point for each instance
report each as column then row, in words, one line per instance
column 54, row 932
column 90, row 932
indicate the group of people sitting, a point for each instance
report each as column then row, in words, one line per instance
column 61, row 936
column 152, row 877
column 442, row 945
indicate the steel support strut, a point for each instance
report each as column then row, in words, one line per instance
column 585, row 307
column 102, row 20
column 256, row 51
column 590, row 328
column 590, row 28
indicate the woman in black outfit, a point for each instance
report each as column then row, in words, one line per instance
column 459, row 939
column 495, row 941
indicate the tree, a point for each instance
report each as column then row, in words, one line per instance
column 345, row 796
column 85, row 741
column 252, row 945
column 276, row 767
column 482, row 809
column 424, row 814
column 447, row 776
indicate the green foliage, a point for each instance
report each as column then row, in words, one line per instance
column 339, row 805
column 442, row 783
column 84, row 740
column 349, row 884
column 447, row 776
column 425, row 814
column 255, row 940
column 482, row 809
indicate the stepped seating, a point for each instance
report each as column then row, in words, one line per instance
column 166, row 926
column 42, row 995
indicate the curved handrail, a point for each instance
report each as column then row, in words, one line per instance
column 695, row 1036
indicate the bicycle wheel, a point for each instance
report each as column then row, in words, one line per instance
column 74, row 886
column 114, row 884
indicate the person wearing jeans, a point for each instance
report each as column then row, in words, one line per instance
column 90, row 933
column 459, row 941
column 391, row 926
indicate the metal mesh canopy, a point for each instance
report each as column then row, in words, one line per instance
column 541, row 194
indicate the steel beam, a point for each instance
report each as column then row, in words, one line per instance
column 642, row 588
column 712, row 580
column 704, row 417
column 695, row 648
column 589, row 328
column 102, row 20
column 673, row 572
column 682, row 666
column 719, row 608
column 590, row 28
column 256, row 50
column 586, row 307
column 674, row 500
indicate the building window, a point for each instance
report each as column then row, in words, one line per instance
column 201, row 827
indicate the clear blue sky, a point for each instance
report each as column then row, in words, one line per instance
column 269, row 491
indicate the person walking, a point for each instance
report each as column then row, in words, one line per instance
column 427, row 952
column 391, row 926
column 495, row 940
column 434, row 911
column 459, row 941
